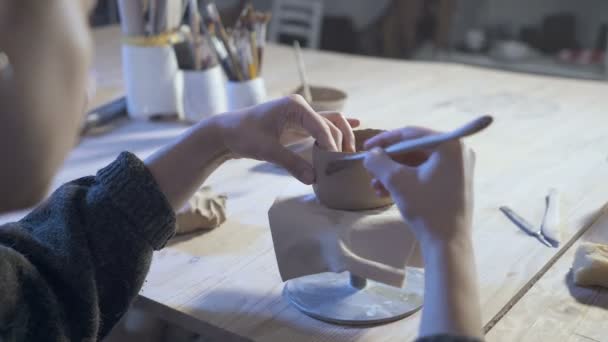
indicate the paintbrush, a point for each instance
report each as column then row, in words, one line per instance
column 215, row 18
column 132, row 17
column 261, row 21
column 302, row 71
column 433, row 140
column 195, row 29
column 220, row 52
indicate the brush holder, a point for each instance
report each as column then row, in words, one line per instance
column 153, row 81
column 245, row 94
column 204, row 93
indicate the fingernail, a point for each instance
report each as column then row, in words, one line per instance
column 376, row 150
column 308, row 176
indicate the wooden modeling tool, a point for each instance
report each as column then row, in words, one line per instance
column 410, row 145
column 302, row 71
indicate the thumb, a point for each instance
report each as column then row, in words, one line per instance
column 296, row 165
column 383, row 168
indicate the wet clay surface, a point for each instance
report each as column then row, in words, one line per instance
column 350, row 188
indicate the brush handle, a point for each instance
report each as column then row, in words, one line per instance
column 302, row 72
column 428, row 141
column 132, row 17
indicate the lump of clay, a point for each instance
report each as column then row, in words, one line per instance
column 349, row 188
column 590, row 266
column 205, row 210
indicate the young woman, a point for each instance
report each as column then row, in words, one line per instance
column 70, row 269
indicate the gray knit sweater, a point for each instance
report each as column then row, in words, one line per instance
column 70, row 269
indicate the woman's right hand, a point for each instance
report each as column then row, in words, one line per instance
column 432, row 188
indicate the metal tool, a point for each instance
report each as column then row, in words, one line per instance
column 550, row 227
column 104, row 115
column 415, row 144
column 548, row 232
column 524, row 225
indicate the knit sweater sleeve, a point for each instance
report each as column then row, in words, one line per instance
column 70, row 269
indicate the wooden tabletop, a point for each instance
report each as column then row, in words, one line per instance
column 548, row 132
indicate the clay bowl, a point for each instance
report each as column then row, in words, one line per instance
column 350, row 188
column 325, row 98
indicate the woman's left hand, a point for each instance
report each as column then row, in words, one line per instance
column 258, row 132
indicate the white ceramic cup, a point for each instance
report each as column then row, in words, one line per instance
column 246, row 93
column 204, row 93
column 153, row 81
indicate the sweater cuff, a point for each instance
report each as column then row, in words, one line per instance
column 134, row 191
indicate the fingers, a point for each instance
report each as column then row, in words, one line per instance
column 386, row 170
column 336, row 133
column 392, row 137
column 354, row 123
column 313, row 123
column 379, row 189
column 414, row 158
column 293, row 163
column 346, row 128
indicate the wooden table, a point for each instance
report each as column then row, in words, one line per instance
column 548, row 132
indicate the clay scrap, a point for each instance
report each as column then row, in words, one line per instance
column 205, row 210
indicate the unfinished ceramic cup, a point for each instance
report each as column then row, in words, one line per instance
column 349, row 188
column 325, row 98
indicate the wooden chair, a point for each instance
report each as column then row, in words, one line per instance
column 298, row 19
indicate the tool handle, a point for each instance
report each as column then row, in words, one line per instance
column 302, row 72
column 431, row 140
column 552, row 220
column 436, row 139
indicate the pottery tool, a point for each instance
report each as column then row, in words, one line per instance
column 314, row 245
column 104, row 115
column 434, row 140
column 551, row 225
column 132, row 17
column 549, row 231
column 302, row 72
column 525, row 226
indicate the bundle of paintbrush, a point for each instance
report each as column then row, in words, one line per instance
column 148, row 18
column 240, row 49
column 200, row 46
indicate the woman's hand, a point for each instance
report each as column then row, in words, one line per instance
column 259, row 132
column 432, row 188
column 434, row 192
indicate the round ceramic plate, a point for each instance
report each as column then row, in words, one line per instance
column 342, row 299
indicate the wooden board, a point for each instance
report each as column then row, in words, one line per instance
column 557, row 310
column 548, row 132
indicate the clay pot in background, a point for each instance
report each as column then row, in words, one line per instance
column 350, row 188
column 325, row 98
